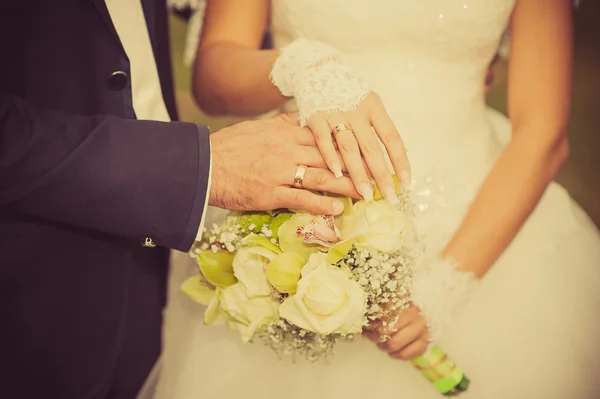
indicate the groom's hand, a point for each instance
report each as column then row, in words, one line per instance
column 254, row 164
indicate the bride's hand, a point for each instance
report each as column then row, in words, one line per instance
column 410, row 339
column 355, row 134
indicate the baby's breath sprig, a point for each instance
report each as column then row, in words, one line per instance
column 385, row 279
column 288, row 340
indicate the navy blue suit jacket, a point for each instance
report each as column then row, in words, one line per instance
column 82, row 183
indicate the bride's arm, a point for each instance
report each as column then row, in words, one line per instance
column 231, row 72
column 539, row 95
column 539, row 104
column 232, row 75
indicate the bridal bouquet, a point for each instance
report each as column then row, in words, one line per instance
column 301, row 282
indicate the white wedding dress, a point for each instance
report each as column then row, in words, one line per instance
column 533, row 330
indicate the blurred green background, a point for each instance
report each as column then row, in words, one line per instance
column 581, row 174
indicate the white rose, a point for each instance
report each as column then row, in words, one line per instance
column 327, row 301
column 377, row 223
column 249, row 267
column 248, row 314
column 314, row 261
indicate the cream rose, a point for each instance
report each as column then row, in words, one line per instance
column 377, row 223
column 327, row 301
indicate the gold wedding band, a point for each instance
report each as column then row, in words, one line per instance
column 340, row 128
column 299, row 177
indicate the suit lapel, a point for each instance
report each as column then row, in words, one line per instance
column 100, row 6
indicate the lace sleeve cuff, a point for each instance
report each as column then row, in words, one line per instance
column 440, row 290
column 317, row 75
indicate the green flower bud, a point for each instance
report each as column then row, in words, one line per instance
column 284, row 270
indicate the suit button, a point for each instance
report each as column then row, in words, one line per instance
column 148, row 243
column 118, row 80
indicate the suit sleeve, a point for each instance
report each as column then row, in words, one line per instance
column 129, row 178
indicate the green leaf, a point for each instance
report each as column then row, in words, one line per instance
column 284, row 272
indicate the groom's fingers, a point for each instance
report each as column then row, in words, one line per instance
column 317, row 179
column 305, row 138
column 290, row 118
column 311, row 156
column 293, row 198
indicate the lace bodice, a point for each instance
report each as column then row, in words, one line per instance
column 427, row 60
column 449, row 30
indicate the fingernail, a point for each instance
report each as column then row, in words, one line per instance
column 366, row 192
column 405, row 177
column 338, row 207
column 336, row 168
column 390, row 194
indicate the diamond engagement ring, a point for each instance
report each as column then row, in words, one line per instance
column 299, row 177
column 340, row 128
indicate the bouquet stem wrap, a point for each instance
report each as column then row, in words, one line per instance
column 446, row 376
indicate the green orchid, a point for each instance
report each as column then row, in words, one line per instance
column 217, row 267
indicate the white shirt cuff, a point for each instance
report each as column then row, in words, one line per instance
column 203, row 217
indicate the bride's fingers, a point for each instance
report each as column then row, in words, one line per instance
column 390, row 137
column 371, row 335
column 322, row 133
column 412, row 350
column 406, row 317
column 405, row 334
column 404, row 337
column 350, row 152
column 374, row 156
